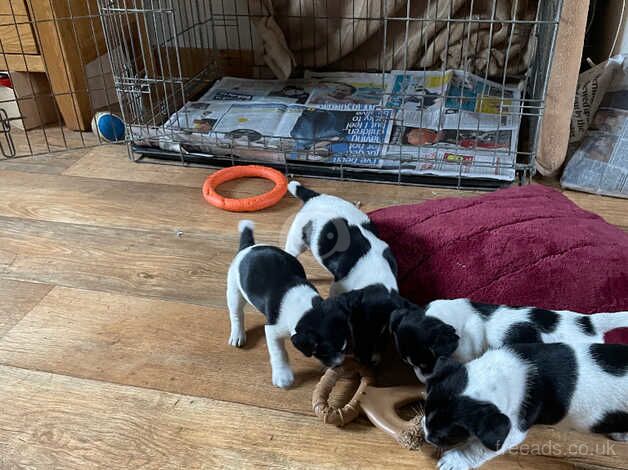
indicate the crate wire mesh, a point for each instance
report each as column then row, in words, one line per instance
column 180, row 48
column 54, row 54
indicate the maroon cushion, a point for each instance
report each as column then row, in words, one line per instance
column 528, row 245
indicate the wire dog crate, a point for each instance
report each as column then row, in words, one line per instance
column 444, row 92
column 54, row 76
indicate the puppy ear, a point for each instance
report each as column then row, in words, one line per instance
column 304, row 342
column 349, row 301
column 444, row 366
column 491, row 427
column 445, row 341
column 395, row 319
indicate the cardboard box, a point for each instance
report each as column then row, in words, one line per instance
column 30, row 103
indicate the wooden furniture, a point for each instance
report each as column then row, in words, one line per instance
column 59, row 38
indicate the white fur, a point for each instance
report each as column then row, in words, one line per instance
column 293, row 305
column 477, row 335
column 500, row 377
column 245, row 224
column 370, row 269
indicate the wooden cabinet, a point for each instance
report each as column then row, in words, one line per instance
column 59, row 38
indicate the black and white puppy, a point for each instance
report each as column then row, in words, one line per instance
column 342, row 239
column 465, row 330
column 363, row 313
column 274, row 282
column 483, row 408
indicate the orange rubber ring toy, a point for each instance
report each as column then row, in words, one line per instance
column 249, row 204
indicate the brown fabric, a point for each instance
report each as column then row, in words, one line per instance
column 562, row 85
column 348, row 35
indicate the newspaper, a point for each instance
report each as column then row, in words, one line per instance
column 592, row 86
column 295, row 91
column 348, row 137
column 451, row 121
column 444, row 123
column 345, row 91
column 453, row 100
column 600, row 164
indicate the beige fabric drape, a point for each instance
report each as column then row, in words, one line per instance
column 348, row 35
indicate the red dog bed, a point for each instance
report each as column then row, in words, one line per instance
column 526, row 246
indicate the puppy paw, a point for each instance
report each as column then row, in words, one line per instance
column 283, row 378
column 619, row 436
column 237, row 338
column 453, row 460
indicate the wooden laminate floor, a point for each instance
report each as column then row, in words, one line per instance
column 113, row 330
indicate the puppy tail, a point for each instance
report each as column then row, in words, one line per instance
column 603, row 322
column 245, row 227
column 300, row 191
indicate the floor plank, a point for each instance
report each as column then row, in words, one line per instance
column 187, row 268
column 111, row 426
column 155, row 344
column 51, row 164
column 182, row 349
column 146, row 206
column 17, row 299
column 112, row 162
column 121, row 204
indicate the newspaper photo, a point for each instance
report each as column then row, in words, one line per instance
column 418, row 97
column 272, row 91
column 478, row 154
column 347, row 90
column 600, row 163
column 348, row 137
column 453, row 100
column 257, row 124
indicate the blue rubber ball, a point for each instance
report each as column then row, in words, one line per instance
column 108, row 127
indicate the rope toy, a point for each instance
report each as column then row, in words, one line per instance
column 379, row 404
column 249, row 204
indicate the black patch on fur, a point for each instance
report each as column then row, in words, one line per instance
column 359, row 317
column 370, row 226
column 485, row 310
column 545, row 320
column 307, row 233
column 613, row 421
column 246, row 238
column 340, row 246
column 451, row 419
column 522, row 332
column 390, row 259
column 550, row 389
column 305, row 194
column 611, row 358
column 586, row 325
column 463, row 417
column 422, row 339
column 267, row 273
